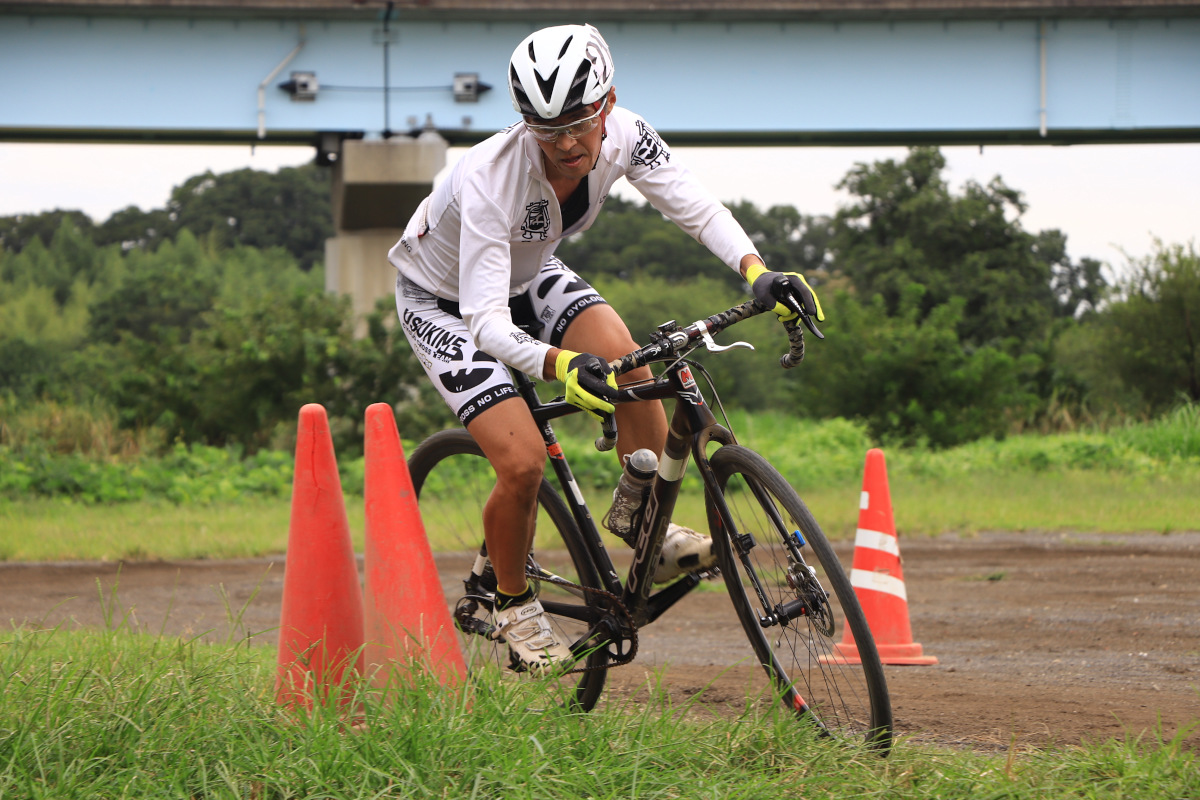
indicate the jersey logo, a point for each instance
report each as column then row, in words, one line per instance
column 649, row 149
column 537, row 221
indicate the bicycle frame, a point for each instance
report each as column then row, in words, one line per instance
column 693, row 427
column 769, row 585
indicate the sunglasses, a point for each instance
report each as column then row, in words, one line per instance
column 577, row 129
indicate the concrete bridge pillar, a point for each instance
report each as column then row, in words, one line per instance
column 376, row 187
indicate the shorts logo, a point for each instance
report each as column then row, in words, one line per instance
column 484, row 401
column 436, row 342
column 587, row 301
column 649, row 149
column 460, row 380
column 537, row 221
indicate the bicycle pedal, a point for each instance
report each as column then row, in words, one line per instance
column 465, row 619
column 556, row 669
column 477, row 626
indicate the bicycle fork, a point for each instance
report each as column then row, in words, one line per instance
column 811, row 599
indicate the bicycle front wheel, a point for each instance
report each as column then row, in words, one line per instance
column 453, row 481
column 794, row 600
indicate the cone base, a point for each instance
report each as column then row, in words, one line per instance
column 900, row 655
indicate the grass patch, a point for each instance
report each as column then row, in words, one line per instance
column 116, row 714
column 1078, row 500
column 58, row 530
column 209, row 503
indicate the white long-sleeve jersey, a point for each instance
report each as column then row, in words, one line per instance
column 484, row 233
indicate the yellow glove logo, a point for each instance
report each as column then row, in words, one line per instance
column 577, row 371
column 770, row 290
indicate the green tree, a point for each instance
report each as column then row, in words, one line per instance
column 19, row 231
column 909, row 376
column 788, row 240
column 904, row 226
column 1153, row 329
column 71, row 260
column 45, row 293
column 133, row 228
column 223, row 346
column 289, row 209
column 164, row 293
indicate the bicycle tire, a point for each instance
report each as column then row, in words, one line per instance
column 757, row 553
column 452, row 480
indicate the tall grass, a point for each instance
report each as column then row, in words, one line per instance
column 89, row 429
column 116, row 715
column 1174, row 437
column 210, row 502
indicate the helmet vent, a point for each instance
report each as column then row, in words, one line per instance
column 546, row 85
column 559, row 69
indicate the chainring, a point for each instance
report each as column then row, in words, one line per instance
column 620, row 641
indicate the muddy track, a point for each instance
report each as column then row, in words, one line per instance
column 1040, row 639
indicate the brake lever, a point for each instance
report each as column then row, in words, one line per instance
column 711, row 343
column 812, row 326
column 794, row 305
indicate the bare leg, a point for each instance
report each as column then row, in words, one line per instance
column 511, row 442
column 601, row 331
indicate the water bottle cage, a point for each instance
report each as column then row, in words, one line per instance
column 635, row 519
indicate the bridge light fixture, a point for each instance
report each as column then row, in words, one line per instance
column 303, row 86
column 468, row 87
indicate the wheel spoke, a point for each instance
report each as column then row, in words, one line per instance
column 453, row 481
column 808, row 584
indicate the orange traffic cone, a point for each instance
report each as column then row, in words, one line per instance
column 408, row 624
column 877, row 577
column 321, row 623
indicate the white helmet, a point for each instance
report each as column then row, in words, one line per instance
column 559, row 69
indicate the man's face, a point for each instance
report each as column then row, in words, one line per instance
column 567, row 156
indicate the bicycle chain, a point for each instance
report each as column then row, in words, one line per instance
column 625, row 625
column 626, row 633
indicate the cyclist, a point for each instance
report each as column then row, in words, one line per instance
column 479, row 290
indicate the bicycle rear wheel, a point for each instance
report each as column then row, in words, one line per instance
column 793, row 599
column 453, row 481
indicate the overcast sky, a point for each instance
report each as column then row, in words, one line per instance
column 1106, row 198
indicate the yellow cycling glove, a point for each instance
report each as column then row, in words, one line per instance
column 590, row 382
column 783, row 292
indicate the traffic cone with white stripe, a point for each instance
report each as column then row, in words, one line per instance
column 877, row 577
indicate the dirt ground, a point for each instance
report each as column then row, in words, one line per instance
column 1040, row 639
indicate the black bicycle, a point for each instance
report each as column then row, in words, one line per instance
column 791, row 594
